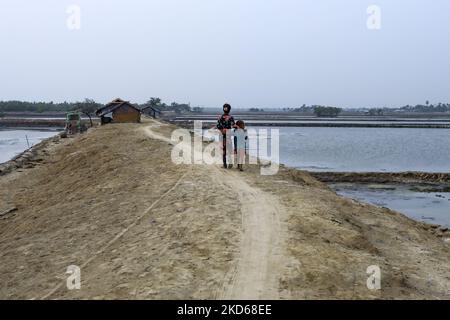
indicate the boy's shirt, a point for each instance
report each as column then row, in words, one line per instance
column 240, row 138
column 225, row 122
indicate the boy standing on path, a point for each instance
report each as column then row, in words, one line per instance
column 225, row 124
column 240, row 140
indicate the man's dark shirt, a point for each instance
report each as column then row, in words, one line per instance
column 225, row 122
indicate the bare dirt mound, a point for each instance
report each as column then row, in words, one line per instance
column 113, row 203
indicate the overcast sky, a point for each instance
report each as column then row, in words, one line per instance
column 250, row 53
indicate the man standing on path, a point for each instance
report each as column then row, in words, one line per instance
column 225, row 124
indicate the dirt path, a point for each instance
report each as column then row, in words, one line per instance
column 256, row 273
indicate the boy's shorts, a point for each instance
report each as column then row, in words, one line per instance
column 240, row 156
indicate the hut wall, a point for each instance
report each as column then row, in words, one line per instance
column 126, row 114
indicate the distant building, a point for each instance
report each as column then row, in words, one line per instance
column 119, row 111
column 150, row 111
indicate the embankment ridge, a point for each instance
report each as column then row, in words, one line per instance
column 139, row 226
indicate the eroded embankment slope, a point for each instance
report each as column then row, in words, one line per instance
column 139, row 226
column 410, row 177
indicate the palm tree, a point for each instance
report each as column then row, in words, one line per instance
column 155, row 103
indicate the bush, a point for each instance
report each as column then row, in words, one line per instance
column 327, row 111
column 197, row 109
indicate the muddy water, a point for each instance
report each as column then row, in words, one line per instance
column 431, row 205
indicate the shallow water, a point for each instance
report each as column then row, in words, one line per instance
column 13, row 142
column 363, row 149
column 430, row 207
column 377, row 150
column 366, row 149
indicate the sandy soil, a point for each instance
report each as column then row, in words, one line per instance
column 139, row 226
column 254, row 275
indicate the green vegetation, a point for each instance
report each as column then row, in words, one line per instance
column 427, row 108
column 156, row 103
column 321, row 111
column 376, row 112
column 256, row 110
column 197, row 109
column 40, row 107
column 87, row 107
column 302, row 109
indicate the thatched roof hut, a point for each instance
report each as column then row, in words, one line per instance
column 119, row 111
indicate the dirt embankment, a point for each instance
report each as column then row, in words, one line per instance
column 31, row 157
column 383, row 177
column 139, row 226
column 38, row 122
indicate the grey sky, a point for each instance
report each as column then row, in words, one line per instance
column 251, row 53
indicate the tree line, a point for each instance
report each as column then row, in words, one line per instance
column 319, row 111
column 40, row 107
column 427, row 107
column 88, row 106
column 156, row 103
